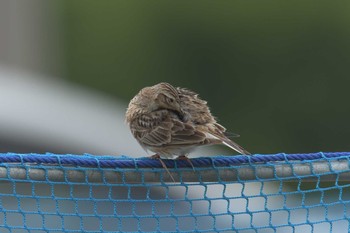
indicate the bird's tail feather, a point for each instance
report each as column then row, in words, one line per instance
column 235, row 147
column 216, row 139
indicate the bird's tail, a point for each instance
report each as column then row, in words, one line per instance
column 235, row 146
column 222, row 139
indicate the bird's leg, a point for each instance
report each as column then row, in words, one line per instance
column 184, row 157
column 156, row 156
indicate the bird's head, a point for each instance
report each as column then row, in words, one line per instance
column 166, row 97
column 159, row 96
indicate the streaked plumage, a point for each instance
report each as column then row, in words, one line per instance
column 173, row 122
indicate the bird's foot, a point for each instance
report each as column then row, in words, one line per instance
column 184, row 157
column 157, row 156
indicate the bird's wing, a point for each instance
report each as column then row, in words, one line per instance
column 186, row 134
column 169, row 132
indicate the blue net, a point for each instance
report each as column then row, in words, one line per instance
column 260, row 193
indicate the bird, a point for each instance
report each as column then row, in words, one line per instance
column 173, row 121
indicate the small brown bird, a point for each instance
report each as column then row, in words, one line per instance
column 172, row 122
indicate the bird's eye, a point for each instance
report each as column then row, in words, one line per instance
column 170, row 100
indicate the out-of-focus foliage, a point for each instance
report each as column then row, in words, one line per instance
column 278, row 73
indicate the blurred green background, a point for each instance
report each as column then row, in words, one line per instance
column 277, row 73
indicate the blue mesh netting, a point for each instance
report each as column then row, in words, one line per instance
column 261, row 193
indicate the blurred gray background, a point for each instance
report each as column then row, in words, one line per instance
column 275, row 73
